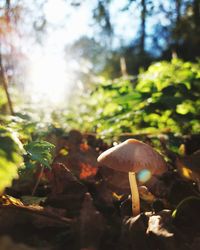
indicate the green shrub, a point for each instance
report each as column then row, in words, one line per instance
column 11, row 159
column 165, row 98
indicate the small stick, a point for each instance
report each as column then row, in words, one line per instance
column 123, row 66
column 38, row 180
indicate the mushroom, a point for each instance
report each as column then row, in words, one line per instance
column 133, row 156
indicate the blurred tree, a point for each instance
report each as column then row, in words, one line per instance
column 176, row 30
column 143, row 26
column 90, row 56
column 163, row 27
column 6, row 27
column 103, row 18
column 182, row 34
column 143, row 6
column 101, row 15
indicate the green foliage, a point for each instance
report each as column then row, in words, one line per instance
column 23, row 125
column 163, row 99
column 11, row 158
column 17, row 131
column 39, row 152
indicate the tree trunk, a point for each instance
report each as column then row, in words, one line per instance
column 178, row 11
column 196, row 11
column 143, row 26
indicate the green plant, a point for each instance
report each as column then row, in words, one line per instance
column 21, row 146
column 38, row 154
column 11, row 159
column 163, row 99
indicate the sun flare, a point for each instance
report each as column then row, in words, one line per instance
column 49, row 79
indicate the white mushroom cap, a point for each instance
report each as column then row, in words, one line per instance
column 133, row 155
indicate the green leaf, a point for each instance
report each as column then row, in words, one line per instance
column 11, row 151
column 185, row 107
column 40, row 151
column 32, row 200
column 134, row 96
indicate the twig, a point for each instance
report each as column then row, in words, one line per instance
column 5, row 85
column 38, row 180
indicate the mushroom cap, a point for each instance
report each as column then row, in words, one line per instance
column 133, row 155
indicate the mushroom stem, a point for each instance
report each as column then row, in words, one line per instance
column 134, row 194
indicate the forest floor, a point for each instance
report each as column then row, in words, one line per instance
column 81, row 205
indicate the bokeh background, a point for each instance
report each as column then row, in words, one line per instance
column 85, row 64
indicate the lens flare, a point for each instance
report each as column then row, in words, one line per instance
column 144, row 175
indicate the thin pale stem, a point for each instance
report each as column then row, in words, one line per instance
column 134, row 194
column 38, row 180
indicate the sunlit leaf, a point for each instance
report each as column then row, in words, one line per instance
column 185, row 108
column 11, row 151
column 40, row 151
column 164, row 98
